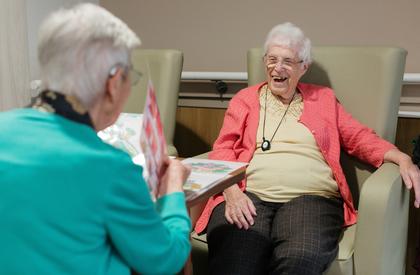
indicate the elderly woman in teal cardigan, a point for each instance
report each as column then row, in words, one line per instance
column 69, row 203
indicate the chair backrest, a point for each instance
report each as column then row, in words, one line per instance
column 164, row 68
column 366, row 80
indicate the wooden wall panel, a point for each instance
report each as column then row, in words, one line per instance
column 197, row 129
column 407, row 130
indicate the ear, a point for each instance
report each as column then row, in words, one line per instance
column 305, row 68
column 112, row 87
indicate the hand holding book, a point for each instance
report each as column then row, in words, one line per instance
column 172, row 177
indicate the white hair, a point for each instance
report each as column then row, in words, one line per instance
column 290, row 36
column 79, row 46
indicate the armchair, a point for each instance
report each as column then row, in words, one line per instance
column 164, row 67
column 367, row 81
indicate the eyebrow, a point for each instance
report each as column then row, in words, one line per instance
column 286, row 59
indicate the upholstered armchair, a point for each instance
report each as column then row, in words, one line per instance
column 164, row 68
column 367, row 81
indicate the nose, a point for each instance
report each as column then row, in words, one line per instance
column 279, row 66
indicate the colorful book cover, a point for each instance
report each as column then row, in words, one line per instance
column 152, row 139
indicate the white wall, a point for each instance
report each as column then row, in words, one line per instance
column 215, row 35
column 36, row 11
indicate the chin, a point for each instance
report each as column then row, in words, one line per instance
column 278, row 91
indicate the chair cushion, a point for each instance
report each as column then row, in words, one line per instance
column 343, row 264
column 341, row 267
column 346, row 245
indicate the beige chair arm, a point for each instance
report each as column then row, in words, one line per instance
column 381, row 235
column 172, row 150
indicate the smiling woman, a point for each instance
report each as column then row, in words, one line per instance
column 291, row 134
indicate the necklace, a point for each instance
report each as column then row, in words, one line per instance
column 266, row 144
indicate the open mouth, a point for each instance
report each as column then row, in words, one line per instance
column 279, row 79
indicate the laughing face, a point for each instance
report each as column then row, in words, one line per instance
column 283, row 70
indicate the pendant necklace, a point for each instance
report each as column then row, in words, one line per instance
column 266, row 144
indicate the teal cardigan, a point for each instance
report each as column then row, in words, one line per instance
column 71, row 204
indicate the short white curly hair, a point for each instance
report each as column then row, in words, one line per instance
column 291, row 36
column 78, row 47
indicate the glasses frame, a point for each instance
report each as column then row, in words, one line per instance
column 129, row 71
column 286, row 63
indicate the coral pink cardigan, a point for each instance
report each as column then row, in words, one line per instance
column 333, row 128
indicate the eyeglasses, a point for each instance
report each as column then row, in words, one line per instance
column 287, row 63
column 134, row 76
column 129, row 71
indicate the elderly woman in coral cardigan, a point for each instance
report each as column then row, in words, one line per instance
column 287, row 216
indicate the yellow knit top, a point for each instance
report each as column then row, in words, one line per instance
column 294, row 165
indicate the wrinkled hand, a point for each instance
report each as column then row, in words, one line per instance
column 411, row 176
column 409, row 171
column 173, row 175
column 239, row 208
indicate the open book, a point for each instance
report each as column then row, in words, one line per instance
column 209, row 177
column 124, row 134
column 141, row 136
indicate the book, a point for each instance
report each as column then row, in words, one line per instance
column 152, row 140
column 141, row 136
column 209, row 177
column 124, row 134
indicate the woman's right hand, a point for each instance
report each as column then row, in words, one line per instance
column 174, row 174
column 239, row 209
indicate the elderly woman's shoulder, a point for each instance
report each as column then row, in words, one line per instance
column 249, row 92
column 247, row 97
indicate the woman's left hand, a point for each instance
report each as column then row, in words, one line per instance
column 411, row 176
column 410, row 172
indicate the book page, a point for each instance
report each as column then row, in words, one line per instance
column 205, row 173
column 124, row 134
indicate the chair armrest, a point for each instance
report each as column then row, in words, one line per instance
column 381, row 235
column 172, row 150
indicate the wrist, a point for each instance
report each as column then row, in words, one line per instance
column 404, row 158
column 231, row 191
column 396, row 156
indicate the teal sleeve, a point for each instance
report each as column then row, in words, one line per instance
column 151, row 238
